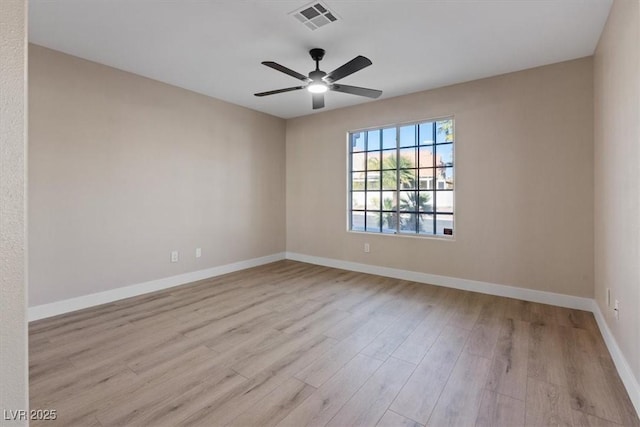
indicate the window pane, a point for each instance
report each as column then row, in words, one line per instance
column 444, row 201
column 408, row 222
column 444, row 131
column 389, row 201
column 408, row 179
column 408, row 136
column 444, row 222
column 389, row 222
column 373, row 160
column 389, row 159
column 389, row 138
column 444, row 155
column 373, row 200
column 402, row 179
column 357, row 200
column 357, row 161
column 357, row 141
column 389, row 179
column 426, row 179
column 445, row 178
column 373, row 140
column 426, row 224
column 425, row 155
column 425, row 201
column 407, row 158
column 357, row 221
column 408, row 201
column 426, row 133
column 373, row 180
column 373, row 221
column 357, row 181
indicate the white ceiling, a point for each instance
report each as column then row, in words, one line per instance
column 215, row 47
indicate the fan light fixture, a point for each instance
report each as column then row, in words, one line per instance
column 317, row 88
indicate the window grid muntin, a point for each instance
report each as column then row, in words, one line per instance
column 416, row 209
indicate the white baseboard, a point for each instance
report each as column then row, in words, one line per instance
column 624, row 370
column 525, row 294
column 60, row 307
column 561, row 300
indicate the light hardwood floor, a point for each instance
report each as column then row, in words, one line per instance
column 293, row 344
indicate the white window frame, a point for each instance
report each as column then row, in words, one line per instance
column 434, row 189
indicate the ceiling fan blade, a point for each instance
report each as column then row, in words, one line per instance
column 318, row 101
column 356, row 64
column 273, row 92
column 286, row 70
column 355, row 90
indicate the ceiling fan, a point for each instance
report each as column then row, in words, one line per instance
column 319, row 82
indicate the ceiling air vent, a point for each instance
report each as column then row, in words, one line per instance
column 315, row 15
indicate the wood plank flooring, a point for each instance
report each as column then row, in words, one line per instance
column 293, row 344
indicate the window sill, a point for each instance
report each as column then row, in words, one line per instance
column 411, row 236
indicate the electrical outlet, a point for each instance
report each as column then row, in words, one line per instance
column 608, row 297
column 174, row 256
column 198, row 252
column 367, row 248
column 616, row 310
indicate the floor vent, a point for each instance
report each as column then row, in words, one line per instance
column 315, row 15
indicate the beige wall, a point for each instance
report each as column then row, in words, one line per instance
column 524, row 177
column 617, row 175
column 124, row 169
column 13, row 287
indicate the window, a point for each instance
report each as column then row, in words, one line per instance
column 401, row 179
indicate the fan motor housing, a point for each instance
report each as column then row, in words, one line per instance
column 317, row 75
